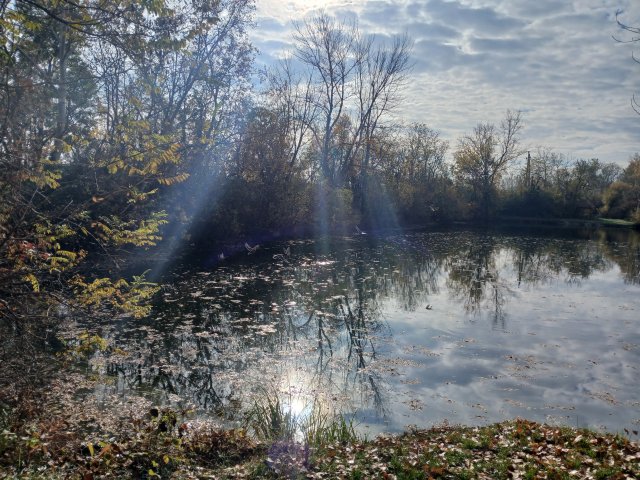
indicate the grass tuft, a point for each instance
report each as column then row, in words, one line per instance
column 268, row 420
column 271, row 419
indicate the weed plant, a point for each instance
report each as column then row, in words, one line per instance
column 271, row 419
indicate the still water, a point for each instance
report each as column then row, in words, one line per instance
column 413, row 328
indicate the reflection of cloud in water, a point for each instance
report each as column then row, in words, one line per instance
column 410, row 329
column 570, row 367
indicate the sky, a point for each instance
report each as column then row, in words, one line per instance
column 554, row 60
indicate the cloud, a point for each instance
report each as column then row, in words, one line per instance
column 473, row 59
column 270, row 24
column 380, row 12
column 539, row 8
column 471, row 18
column 513, row 46
column 433, row 56
column 274, row 47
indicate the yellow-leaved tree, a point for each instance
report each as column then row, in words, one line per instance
column 99, row 115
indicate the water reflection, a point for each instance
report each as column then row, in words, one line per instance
column 624, row 250
column 396, row 331
column 474, row 279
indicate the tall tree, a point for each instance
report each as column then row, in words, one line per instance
column 622, row 197
column 291, row 96
column 413, row 166
column 379, row 78
column 102, row 105
column 482, row 158
column 329, row 50
column 635, row 38
column 356, row 81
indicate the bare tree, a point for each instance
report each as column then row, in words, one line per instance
column 380, row 77
column 543, row 168
column 329, row 50
column 423, row 154
column 635, row 38
column 356, row 81
column 482, row 158
column 292, row 96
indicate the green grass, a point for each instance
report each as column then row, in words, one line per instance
column 614, row 222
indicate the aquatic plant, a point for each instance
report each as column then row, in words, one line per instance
column 269, row 419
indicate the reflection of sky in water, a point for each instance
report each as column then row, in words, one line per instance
column 410, row 329
column 567, row 353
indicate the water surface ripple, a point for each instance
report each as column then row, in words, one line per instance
column 407, row 329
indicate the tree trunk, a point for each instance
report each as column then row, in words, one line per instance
column 61, row 110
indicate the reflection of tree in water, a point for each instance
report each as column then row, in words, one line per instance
column 213, row 333
column 216, row 335
column 540, row 260
column 415, row 279
column 532, row 264
column 362, row 349
column 474, row 272
column 474, row 278
column 623, row 248
column 581, row 260
column 345, row 322
column 415, row 271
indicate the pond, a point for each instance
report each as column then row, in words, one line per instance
column 415, row 328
